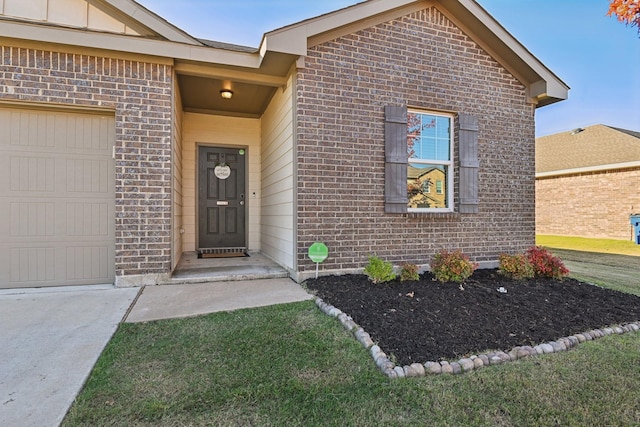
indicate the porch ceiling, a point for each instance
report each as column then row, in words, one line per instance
column 202, row 95
column 201, row 83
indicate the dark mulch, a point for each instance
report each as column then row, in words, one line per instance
column 429, row 321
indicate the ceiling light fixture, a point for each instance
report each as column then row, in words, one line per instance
column 226, row 93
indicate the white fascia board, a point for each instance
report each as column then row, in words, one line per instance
column 548, row 89
column 555, row 87
column 128, row 44
column 293, row 38
column 598, row 168
column 152, row 21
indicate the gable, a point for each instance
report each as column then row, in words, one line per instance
column 72, row 13
column 117, row 17
column 543, row 86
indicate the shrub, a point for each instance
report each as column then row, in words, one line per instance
column 516, row 266
column 545, row 264
column 452, row 266
column 409, row 272
column 379, row 271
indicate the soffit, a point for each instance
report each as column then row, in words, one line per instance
column 202, row 95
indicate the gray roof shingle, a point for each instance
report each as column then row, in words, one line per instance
column 593, row 146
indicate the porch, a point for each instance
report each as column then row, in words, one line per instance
column 254, row 266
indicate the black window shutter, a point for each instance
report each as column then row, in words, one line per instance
column 395, row 171
column 469, row 164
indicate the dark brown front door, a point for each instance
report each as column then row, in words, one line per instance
column 221, row 198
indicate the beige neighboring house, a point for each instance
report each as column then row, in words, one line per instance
column 426, row 187
column 588, row 182
column 126, row 143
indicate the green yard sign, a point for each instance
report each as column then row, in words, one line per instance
column 318, row 252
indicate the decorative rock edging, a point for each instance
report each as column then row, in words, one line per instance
column 470, row 363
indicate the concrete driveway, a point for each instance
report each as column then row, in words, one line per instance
column 50, row 339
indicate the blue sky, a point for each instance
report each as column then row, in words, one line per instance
column 598, row 57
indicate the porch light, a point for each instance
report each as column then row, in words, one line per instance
column 226, row 93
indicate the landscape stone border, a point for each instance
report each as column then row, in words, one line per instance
column 470, row 363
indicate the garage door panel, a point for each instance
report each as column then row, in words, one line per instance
column 34, row 266
column 46, row 130
column 56, row 220
column 59, row 198
column 87, row 176
column 87, row 134
column 88, row 219
column 87, row 263
column 26, row 128
column 66, row 177
column 35, row 219
column 34, row 174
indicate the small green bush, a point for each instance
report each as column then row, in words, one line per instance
column 409, row 272
column 379, row 271
column 452, row 266
column 545, row 264
column 516, row 266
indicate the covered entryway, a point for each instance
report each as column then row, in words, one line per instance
column 221, row 201
column 57, row 198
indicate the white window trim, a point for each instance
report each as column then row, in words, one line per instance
column 448, row 164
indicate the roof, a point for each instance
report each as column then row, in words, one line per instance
column 126, row 29
column 269, row 64
column 543, row 86
column 593, row 148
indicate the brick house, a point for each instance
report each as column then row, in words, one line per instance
column 119, row 152
column 587, row 182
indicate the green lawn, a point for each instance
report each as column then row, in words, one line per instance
column 291, row 365
column 610, row 246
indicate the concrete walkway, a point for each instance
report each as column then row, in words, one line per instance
column 50, row 339
column 172, row 301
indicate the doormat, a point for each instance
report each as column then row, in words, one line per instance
column 222, row 253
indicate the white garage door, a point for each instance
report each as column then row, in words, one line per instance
column 57, row 198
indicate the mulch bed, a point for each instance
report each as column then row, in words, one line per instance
column 425, row 320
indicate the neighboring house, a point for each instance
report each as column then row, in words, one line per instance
column 588, row 182
column 119, row 154
column 426, row 187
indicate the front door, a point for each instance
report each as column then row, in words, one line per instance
column 221, row 198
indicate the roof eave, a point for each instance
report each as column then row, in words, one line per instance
column 546, row 92
column 125, row 43
column 154, row 22
column 543, row 86
column 588, row 169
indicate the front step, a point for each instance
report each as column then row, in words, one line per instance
column 225, row 275
column 254, row 266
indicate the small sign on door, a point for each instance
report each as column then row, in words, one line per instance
column 222, row 171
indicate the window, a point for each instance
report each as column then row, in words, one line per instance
column 430, row 152
column 419, row 152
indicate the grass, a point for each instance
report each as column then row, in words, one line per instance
column 598, row 261
column 292, row 365
column 609, row 246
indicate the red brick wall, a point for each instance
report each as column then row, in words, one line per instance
column 139, row 94
column 596, row 204
column 424, row 61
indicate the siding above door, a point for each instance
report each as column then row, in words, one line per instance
column 57, row 198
